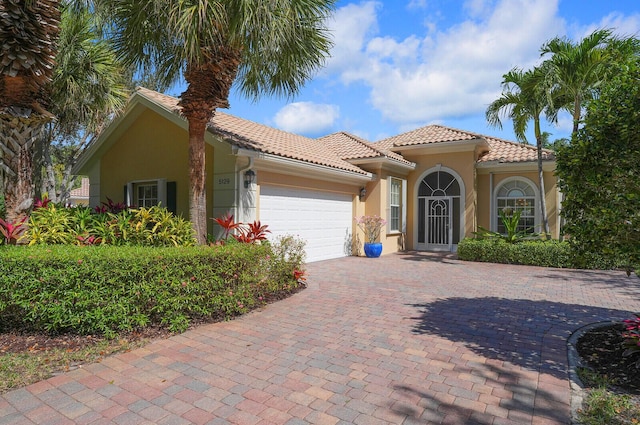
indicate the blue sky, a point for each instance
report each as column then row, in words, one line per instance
column 399, row 65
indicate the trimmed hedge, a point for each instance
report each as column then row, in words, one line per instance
column 551, row 253
column 105, row 289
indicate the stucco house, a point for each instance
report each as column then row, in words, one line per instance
column 433, row 185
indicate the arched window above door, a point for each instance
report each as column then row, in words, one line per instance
column 439, row 183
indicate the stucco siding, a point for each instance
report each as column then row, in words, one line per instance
column 463, row 163
column 151, row 148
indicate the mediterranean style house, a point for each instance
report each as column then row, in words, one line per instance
column 434, row 185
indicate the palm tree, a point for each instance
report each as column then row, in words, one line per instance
column 28, row 33
column 525, row 98
column 87, row 90
column 267, row 47
column 578, row 69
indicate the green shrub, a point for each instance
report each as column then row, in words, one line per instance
column 106, row 289
column 153, row 226
column 550, row 253
column 3, row 212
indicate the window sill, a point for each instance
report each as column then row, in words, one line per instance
column 394, row 233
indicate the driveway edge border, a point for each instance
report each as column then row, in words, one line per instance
column 577, row 387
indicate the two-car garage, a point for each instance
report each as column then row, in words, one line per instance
column 323, row 219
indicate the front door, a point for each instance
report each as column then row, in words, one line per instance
column 439, row 229
column 439, row 212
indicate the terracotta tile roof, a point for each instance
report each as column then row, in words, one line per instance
column 336, row 149
column 506, row 151
column 427, row 135
column 500, row 150
column 350, row 147
column 261, row 138
column 82, row 191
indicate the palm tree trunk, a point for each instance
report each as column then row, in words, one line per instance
column 543, row 192
column 208, row 89
column 577, row 109
column 18, row 135
column 197, row 177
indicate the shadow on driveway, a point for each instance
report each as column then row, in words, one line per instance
column 530, row 334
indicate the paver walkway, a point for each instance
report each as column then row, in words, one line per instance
column 404, row 339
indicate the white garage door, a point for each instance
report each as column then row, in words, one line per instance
column 324, row 220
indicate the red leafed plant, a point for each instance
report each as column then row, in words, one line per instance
column 227, row 224
column 41, row 203
column 89, row 240
column 257, row 231
column 631, row 337
column 12, row 231
column 110, row 206
column 299, row 275
column 245, row 233
column 252, row 233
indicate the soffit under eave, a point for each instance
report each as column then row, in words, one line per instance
column 476, row 145
column 508, row 167
column 372, row 165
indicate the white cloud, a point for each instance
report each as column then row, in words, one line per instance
column 622, row 25
column 306, row 117
column 448, row 73
column 350, row 27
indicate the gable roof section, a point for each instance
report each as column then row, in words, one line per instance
column 250, row 135
column 430, row 134
column 499, row 150
column 353, row 148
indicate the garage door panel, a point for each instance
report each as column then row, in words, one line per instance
column 322, row 219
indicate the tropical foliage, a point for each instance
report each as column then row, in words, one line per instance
column 578, row 69
column 87, row 90
column 511, row 220
column 107, row 225
column 525, row 98
column 241, row 232
column 599, row 172
column 28, row 40
column 267, row 47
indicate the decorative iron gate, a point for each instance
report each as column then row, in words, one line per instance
column 439, row 221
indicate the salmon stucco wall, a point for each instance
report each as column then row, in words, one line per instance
column 151, row 148
column 485, row 201
column 377, row 203
column 463, row 164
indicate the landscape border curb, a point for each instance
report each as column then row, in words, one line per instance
column 578, row 390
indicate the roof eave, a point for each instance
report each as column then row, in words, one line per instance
column 385, row 160
column 291, row 166
column 488, row 166
column 450, row 145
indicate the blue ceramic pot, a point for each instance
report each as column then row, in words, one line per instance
column 372, row 250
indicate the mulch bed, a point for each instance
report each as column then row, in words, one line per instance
column 602, row 349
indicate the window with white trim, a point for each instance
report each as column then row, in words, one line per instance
column 517, row 195
column 146, row 194
column 397, row 200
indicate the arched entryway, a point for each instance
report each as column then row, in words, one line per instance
column 440, row 209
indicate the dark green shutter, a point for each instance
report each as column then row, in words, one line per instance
column 172, row 200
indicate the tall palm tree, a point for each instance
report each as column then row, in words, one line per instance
column 578, row 69
column 267, row 47
column 525, row 97
column 88, row 88
column 28, row 33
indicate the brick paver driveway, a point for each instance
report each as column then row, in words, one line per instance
column 403, row 339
